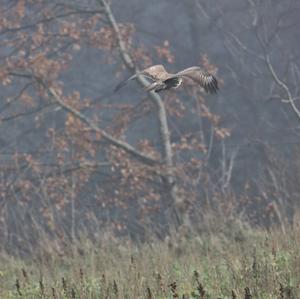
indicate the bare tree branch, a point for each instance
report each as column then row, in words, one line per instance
column 16, row 98
column 282, row 85
column 265, row 44
column 112, row 140
column 50, row 19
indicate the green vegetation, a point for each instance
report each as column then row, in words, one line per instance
column 247, row 264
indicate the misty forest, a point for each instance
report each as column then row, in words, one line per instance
column 173, row 184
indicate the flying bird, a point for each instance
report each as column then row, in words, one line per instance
column 162, row 80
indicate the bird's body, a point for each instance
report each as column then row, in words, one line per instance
column 162, row 80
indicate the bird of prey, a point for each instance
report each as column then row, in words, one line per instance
column 162, row 80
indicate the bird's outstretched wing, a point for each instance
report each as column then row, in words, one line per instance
column 205, row 80
column 154, row 73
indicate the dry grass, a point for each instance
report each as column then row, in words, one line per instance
column 258, row 265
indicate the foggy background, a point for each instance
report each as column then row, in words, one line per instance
column 253, row 172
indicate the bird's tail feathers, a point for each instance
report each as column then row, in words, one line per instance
column 120, row 85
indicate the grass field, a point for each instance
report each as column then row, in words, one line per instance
column 247, row 264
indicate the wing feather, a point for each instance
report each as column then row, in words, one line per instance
column 208, row 81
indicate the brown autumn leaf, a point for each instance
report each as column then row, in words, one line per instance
column 164, row 52
column 20, row 8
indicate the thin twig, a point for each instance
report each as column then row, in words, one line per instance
column 281, row 84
